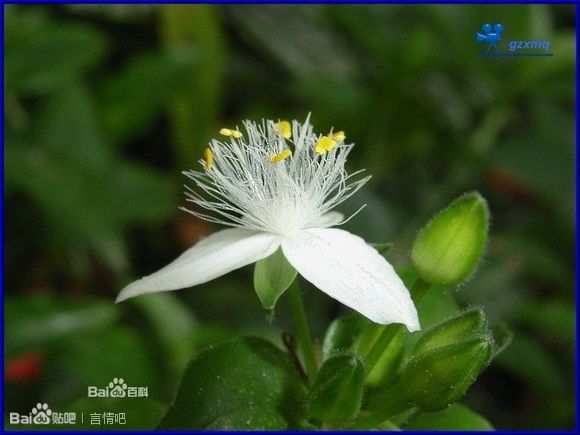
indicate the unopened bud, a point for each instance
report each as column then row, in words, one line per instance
column 448, row 248
column 469, row 324
column 441, row 377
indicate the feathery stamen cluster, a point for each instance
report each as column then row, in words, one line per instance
column 269, row 180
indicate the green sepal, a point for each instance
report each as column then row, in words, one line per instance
column 342, row 334
column 272, row 277
column 337, row 393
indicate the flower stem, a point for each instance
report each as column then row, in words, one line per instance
column 302, row 330
column 390, row 404
column 419, row 289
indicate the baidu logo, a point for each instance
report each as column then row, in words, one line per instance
column 117, row 388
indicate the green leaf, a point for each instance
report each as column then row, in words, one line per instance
column 342, row 333
column 456, row 417
column 272, row 277
column 241, row 380
column 337, row 392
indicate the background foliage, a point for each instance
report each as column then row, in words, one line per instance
column 106, row 105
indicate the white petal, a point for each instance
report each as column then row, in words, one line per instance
column 210, row 258
column 346, row 268
column 329, row 219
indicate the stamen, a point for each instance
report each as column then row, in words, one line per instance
column 281, row 156
column 236, row 134
column 208, row 158
column 324, row 145
column 284, row 128
column 338, row 136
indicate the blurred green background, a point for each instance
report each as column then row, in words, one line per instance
column 105, row 105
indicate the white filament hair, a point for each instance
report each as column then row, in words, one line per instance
column 243, row 188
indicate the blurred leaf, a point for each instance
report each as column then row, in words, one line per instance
column 553, row 319
column 151, row 195
column 133, row 97
column 240, row 384
column 94, row 359
column 68, row 129
column 42, row 56
column 546, row 170
column 456, row 417
column 195, row 30
column 174, row 324
column 40, row 320
column 503, row 336
column 313, row 51
column 272, row 277
column 87, row 193
column 527, row 359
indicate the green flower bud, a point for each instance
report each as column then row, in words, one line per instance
column 469, row 324
column 441, row 377
column 448, row 248
column 337, row 393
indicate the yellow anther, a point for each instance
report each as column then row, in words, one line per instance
column 284, row 128
column 338, row 136
column 324, row 145
column 208, row 158
column 236, row 134
column 281, row 156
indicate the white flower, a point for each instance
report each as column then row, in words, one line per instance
column 278, row 192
